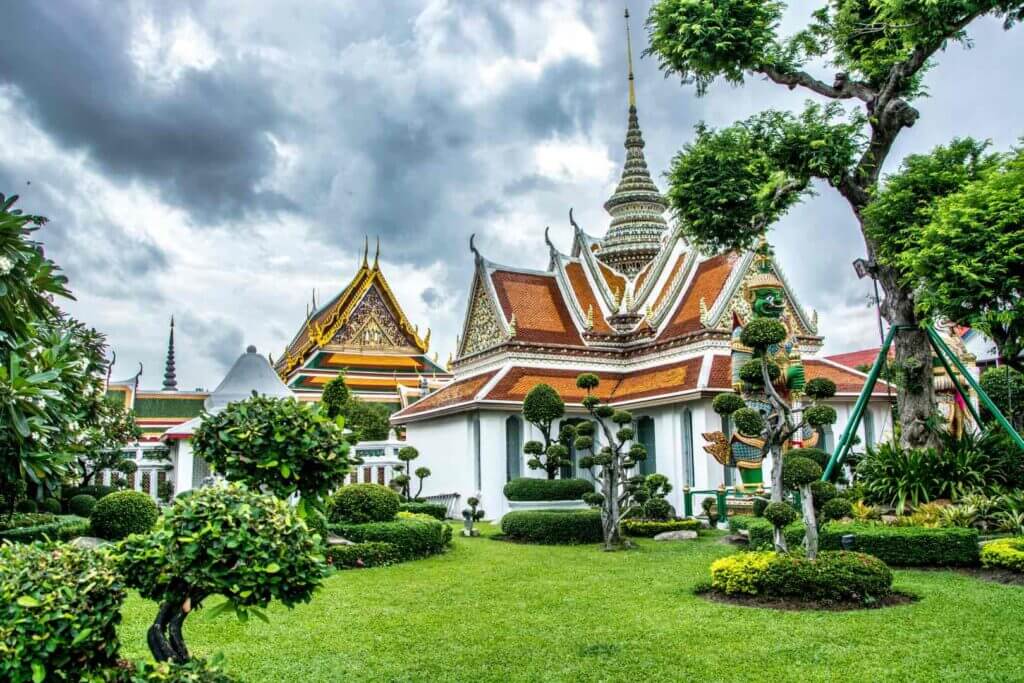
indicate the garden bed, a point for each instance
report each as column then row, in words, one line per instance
column 793, row 604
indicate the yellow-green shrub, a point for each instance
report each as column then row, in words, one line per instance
column 741, row 573
column 1005, row 553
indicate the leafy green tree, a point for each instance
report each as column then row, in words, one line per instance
column 369, row 421
column 968, row 260
column 335, row 397
column 542, row 407
column 222, row 540
column 110, row 428
column 278, row 445
column 616, row 494
column 1005, row 386
column 728, row 186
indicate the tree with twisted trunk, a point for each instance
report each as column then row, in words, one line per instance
column 729, row 185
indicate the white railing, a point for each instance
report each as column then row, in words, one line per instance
column 450, row 501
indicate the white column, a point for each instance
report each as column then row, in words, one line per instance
column 182, row 466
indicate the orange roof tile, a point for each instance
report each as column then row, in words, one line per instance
column 457, row 392
column 721, row 373
column 857, row 359
column 707, row 284
column 586, row 297
column 847, row 382
column 614, row 387
column 537, row 303
column 641, row 277
column 616, row 283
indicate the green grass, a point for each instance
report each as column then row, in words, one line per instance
column 494, row 611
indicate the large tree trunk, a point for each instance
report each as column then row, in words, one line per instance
column 610, row 510
column 915, row 395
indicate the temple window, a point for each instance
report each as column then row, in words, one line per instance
column 513, row 447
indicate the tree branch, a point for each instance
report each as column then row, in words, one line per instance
column 842, row 89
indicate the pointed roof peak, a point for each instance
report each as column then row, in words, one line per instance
column 170, row 376
column 629, row 61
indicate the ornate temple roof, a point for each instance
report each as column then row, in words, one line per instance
column 364, row 333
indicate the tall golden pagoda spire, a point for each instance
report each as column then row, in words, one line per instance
column 637, row 208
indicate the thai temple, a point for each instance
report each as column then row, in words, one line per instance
column 653, row 317
column 363, row 333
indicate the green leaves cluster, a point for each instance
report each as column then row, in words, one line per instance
column 250, row 548
column 59, row 610
column 277, row 444
column 542, row 407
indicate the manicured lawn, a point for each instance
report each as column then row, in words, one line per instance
column 494, row 611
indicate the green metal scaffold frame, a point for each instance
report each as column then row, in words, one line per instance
column 945, row 356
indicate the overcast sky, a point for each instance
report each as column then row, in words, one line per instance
column 220, row 161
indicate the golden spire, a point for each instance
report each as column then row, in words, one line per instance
column 366, row 249
column 376, row 256
column 629, row 60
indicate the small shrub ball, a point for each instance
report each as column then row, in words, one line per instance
column 750, row 372
column 761, row 333
column 780, row 514
column 819, row 416
column 820, row 387
column 816, row 454
column 727, row 404
column 748, row 421
column 363, row 503
column 837, row 508
column 123, row 513
column 798, row 471
column 823, row 492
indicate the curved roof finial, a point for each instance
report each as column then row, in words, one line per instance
column 376, row 256
column 366, row 249
column 573, row 221
column 472, row 247
column 547, row 238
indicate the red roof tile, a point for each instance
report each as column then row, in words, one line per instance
column 858, row 359
column 707, row 284
column 847, row 382
column 586, row 297
column 456, row 392
column 721, row 373
column 537, row 303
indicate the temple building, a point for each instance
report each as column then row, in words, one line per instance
column 653, row 317
column 363, row 333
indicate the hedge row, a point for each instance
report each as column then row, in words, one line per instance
column 650, row 529
column 530, row 489
column 903, row 546
column 412, row 537
column 907, row 545
column 435, row 510
column 60, row 529
column 553, row 526
column 834, row 576
column 1005, row 553
column 359, row 555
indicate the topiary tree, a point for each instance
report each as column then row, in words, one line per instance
column 472, row 515
column 799, row 473
column 402, row 482
column 421, row 474
column 225, row 540
column 755, row 170
column 82, row 505
column 362, row 503
column 278, row 445
column 335, row 397
column 612, row 462
column 123, row 513
column 542, row 407
column 649, row 495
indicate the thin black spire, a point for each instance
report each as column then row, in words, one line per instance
column 170, row 379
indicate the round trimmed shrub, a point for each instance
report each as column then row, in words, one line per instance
column 750, row 372
column 727, row 404
column 82, row 505
column 59, row 610
column 798, row 471
column 760, row 504
column 823, row 492
column 553, row 526
column 820, row 387
column 748, row 421
column 780, row 513
column 123, row 513
column 96, row 491
column 529, row 489
column 837, row 508
column 658, row 509
column 26, row 505
column 649, row 529
column 834, row 576
column 412, row 535
column 819, row 416
column 51, row 505
column 363, row 503
column 1005, row 553
column 816, row 454
column 760, row 333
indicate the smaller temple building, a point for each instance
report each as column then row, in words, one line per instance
column 362, row 333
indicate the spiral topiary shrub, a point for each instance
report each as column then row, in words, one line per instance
column 82, row 505
column 123, row 513
column 760, row 333
column 727, row 404
column 820, row 387
column 750, row 372
column 780, row 513
column 531, row 489
column 819, row 416
column 59, row 610
column 362, row 503
column 249, row 547
column 748, row 421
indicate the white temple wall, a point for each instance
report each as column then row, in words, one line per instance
column 445, row 446
column 183, row 463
